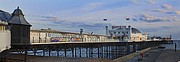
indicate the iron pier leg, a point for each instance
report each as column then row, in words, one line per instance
column 86, row 52
column 107, row 51
column 25, row 59
column 65, row 52
column 80, row 51
column 35, row 52
column 102, row 51
column 89, row 52
column 49, row 52
column 98, row 53
column 72, row 52
column 58, row 52
column 43, row 52
column 75, row 51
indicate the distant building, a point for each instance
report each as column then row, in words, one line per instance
column 126, row 34
column 5, row 35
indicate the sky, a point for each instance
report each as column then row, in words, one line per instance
column 155, row 17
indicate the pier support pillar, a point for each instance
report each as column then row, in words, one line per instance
column 65, row 52
column 72, row 51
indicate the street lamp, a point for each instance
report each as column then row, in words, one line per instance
column 106, row 26
column 81, row 31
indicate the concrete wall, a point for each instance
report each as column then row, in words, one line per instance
column 5, row 40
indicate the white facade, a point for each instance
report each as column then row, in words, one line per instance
column 127, row 34
column 47, row 36
column 138, row 37
column 5, row 36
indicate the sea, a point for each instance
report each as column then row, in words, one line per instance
column 172, row 46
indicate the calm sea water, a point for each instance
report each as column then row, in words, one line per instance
column 172, row 46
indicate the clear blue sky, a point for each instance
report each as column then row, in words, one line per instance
column 156, row 17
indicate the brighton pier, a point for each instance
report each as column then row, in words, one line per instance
column 20, row 39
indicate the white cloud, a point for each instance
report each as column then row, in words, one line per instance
column 160, row 10
column 150, row 18
column 151, row 1
column 136, row 1
column 159, row 28
column 92, row 14
column 167, row 6
column 177, row 12
column 92, row 6
column 143, row 1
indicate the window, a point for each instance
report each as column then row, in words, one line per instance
column 114, row 32
column 119, row 33
column 127, row 32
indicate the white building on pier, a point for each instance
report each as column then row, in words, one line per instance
column 126, row 34
column 49, row 36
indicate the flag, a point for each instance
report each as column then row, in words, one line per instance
column 127, row 18
column 104, row 19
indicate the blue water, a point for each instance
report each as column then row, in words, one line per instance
column 172, row 46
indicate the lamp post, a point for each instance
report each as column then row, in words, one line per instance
column 81, row 31
column 106, row 26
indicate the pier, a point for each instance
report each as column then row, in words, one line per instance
column 51, row 43
column 106, row 50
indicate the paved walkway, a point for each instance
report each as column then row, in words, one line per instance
column 158, row 55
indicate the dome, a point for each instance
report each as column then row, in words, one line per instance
column 4, row 16
column 17, row 12
column 18, row 18
column 134, row 30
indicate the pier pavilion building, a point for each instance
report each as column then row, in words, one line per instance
column 48, row 36
column 126, row 34
column 14, row 29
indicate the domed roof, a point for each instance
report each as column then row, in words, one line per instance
column 18, row 18
column 4, row 16
column 17, row 12
column 134, row 30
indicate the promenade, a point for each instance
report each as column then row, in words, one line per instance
column 158, row 55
